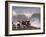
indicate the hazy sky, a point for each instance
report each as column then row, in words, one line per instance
column 26, row 9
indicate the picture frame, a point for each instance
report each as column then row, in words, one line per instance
column 15, row 9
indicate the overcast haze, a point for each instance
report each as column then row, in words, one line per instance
column 31, row 12
column 26, row 9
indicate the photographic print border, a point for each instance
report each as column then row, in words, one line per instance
column 6, row 18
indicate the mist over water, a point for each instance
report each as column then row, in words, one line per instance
column 27, row 13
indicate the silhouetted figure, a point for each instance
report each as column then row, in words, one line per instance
column 18, row 26
column 27, row 23
column 23, row 23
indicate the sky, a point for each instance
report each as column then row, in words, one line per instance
column 26, row 9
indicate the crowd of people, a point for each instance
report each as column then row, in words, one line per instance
column 22, row 25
